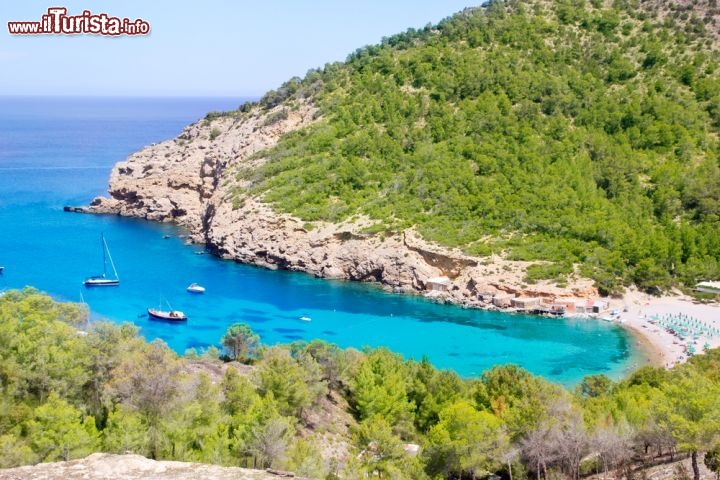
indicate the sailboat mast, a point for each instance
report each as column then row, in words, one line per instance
column 112, row 264
column 102, row 241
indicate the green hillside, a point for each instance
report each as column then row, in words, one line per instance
column 571, row 131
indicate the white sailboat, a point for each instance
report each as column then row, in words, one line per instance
column 103, row 280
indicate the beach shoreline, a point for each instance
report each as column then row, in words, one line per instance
column 650, row 350
column 648, row 318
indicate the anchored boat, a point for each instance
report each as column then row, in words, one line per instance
column 169, row 315
column 103, row 280
column 195, row 288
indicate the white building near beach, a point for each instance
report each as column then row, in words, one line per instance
column 708, row 287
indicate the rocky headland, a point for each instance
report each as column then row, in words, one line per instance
column 191, row 181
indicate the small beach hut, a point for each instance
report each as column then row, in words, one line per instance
column 600, row 306
column 438, row 284
column 503, row 300
column 486, row 296
column 525, row 303
column 582, row 307
column 558, row 308
column 569, row 304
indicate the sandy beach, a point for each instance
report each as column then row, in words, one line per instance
column 696, row 325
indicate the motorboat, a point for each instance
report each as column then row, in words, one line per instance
column 195, row 288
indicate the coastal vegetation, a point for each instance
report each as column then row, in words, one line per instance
column 69, row 388
column 583, row 133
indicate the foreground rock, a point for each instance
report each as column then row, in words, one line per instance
column 104, row 466
column 192, row 180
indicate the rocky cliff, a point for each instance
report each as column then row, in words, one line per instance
column 192, row 180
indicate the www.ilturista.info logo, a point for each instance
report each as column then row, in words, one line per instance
column 57, row 21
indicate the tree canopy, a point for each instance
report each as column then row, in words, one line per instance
column 282, row 411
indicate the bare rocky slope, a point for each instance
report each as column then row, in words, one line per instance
column 130, row 467
column 190, row 180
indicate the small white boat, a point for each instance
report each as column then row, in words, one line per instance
column 195, row 288
column 305, row 319
column 171, row 315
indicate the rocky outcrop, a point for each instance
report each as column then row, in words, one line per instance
column 194, row 180
column 105, row 466
column 257, row 234
column 179, row 180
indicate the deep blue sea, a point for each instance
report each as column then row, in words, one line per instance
column 59, row 151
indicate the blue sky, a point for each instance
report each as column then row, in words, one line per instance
column 199, row 48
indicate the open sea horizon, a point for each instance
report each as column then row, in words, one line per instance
column 57, row 151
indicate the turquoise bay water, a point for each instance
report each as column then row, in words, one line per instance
column 59, row 151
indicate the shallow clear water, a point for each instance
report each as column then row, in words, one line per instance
column 59, row 151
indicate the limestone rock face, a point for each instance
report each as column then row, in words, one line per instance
column 180, row 179
column 104, row 466
column 193, row 180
